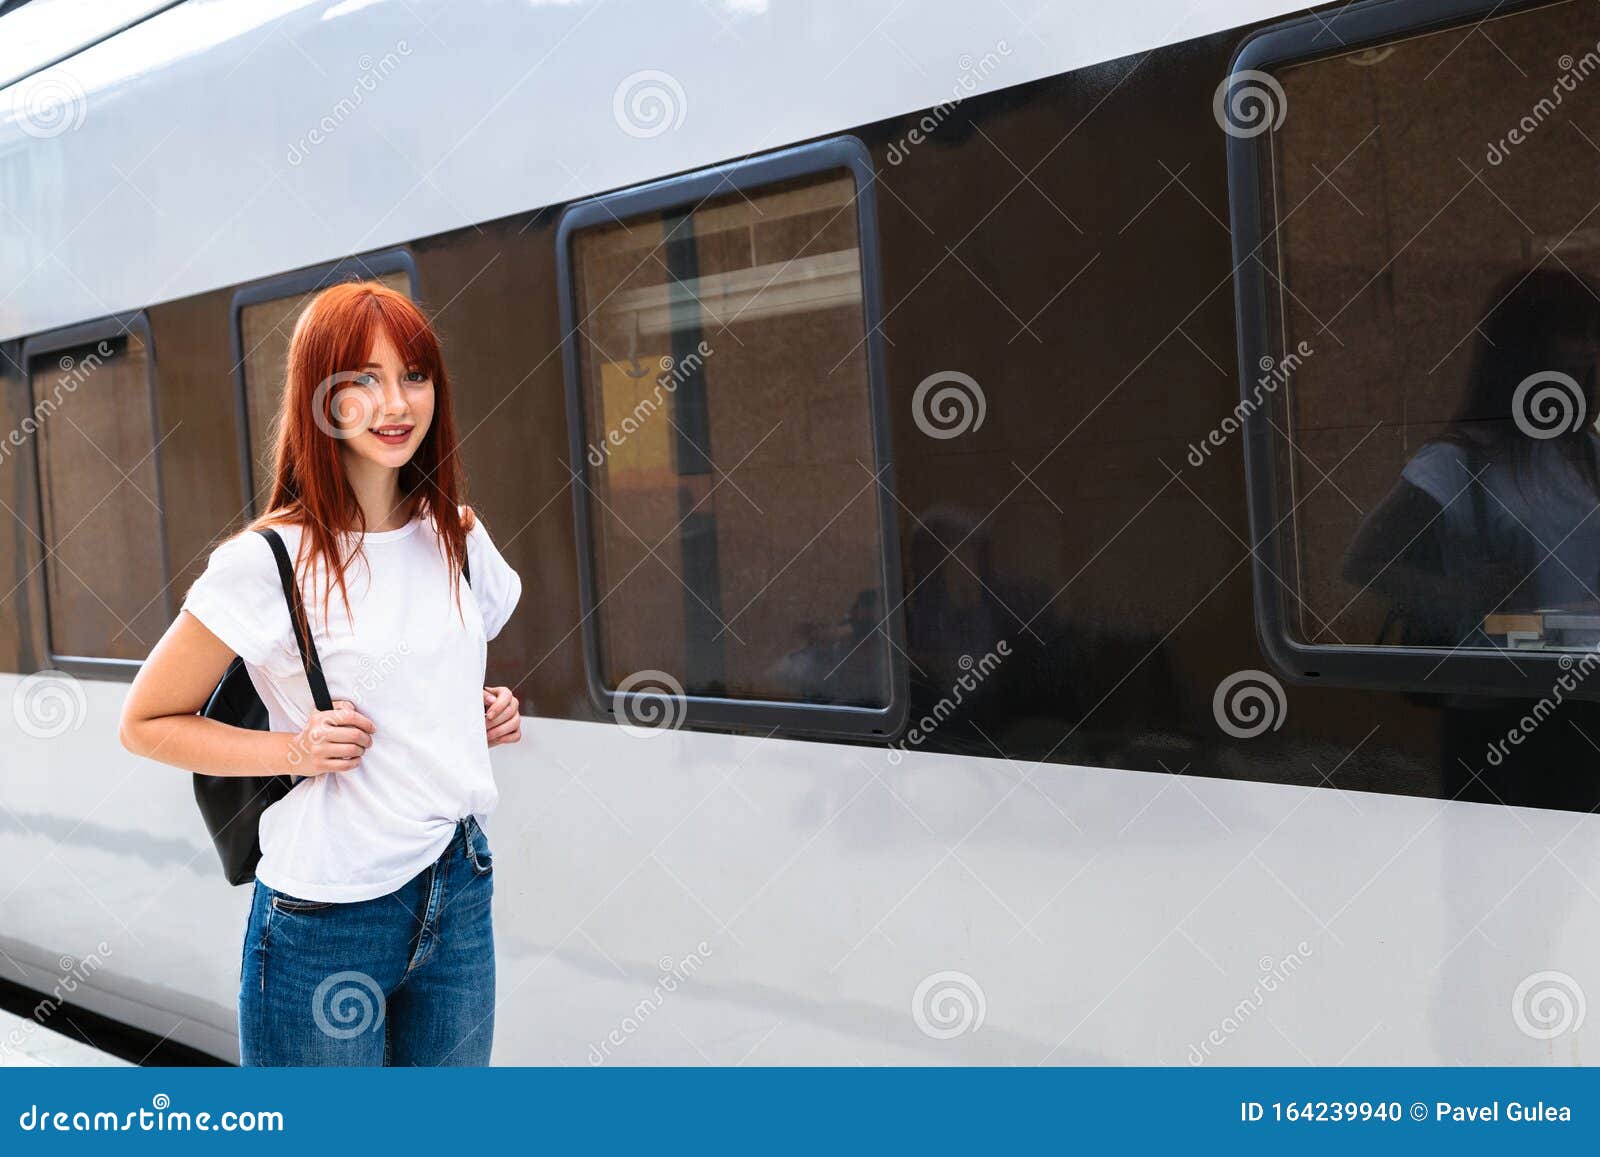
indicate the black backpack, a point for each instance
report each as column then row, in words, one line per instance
column 232, row 805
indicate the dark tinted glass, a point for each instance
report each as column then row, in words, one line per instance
column 1432, row 258
column 729, row 472
column 104, row 561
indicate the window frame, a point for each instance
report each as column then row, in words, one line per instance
column 293, row 284
column 689, row 190
column 1407, row 668
column 69, row 337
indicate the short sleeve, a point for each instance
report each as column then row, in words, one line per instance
column 239, row 598
column 495, row 585
column 1439, row 470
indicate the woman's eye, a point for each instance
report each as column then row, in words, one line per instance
column 366, row 380
column 416, row 376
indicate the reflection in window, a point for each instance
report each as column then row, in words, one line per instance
column 264, row 331
column 104, row 566
column 737, row 543
column 1436, row 453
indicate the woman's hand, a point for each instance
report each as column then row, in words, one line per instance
column 160, row 717
column 331, row 741
column 501, row 719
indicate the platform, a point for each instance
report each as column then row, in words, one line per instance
column 26, row 1044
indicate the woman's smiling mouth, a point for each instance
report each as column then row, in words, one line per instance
column 391, row 435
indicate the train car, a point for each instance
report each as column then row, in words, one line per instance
column 958, row 457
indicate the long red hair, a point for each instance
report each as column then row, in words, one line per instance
column 334, row 336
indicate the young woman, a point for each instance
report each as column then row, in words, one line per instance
column 369, row 939
column 1494, row 513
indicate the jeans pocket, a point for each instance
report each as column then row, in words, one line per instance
column 478, row 853
column 283, row 903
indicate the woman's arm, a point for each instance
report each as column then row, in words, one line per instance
column 160, row 720
column 1400, row 553
column 1397, row 549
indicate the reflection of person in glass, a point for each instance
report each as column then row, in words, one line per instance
column 1497, row 514
column 835, row 664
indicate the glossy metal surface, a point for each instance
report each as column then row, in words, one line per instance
column 432, row 115
column 1101, row 916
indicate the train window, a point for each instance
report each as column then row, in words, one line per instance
column 1418, row 279
column 107, row 592
column 263, row 319
column 731, row 474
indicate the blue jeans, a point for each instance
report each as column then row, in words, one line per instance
column 405, row 979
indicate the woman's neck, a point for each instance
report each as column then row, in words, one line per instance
column 377, row 490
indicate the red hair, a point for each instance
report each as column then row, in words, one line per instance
column 334, row 336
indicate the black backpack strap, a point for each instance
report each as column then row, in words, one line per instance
column 302, row 638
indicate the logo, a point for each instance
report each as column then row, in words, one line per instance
column 347, row 1004
column 1548, row 404
column 1248, row 704
column 1547, row 1004
column 48, row 104
column 948, row 1004
column 648, row 703
column 1249, row 103
column 952, row 410
column 49, row 703
column 344, row 405
column 649, row 103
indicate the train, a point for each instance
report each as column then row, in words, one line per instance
column 944, row 447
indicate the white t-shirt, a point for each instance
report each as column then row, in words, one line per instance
column 1544, row 524
column 407, row 661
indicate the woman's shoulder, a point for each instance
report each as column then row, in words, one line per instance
column 249, row 552
column 476, row 530
column 496, row 584
column 241, row 549
column 1442, row 451
column 1441, row 467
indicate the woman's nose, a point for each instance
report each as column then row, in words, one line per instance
column 394, row 398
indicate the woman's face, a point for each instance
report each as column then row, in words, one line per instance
column 388, row 407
